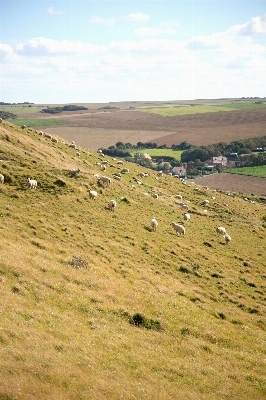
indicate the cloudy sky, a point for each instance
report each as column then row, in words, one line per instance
column 85, row 51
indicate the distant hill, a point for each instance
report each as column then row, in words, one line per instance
column 96, row 305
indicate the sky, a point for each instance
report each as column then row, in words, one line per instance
column 88, row 51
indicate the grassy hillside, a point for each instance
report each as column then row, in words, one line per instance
column 95, row 305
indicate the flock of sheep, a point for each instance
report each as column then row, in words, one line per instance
column 106, row 181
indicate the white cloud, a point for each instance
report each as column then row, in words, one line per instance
column 257, row 25
column 44, row 46
column 103, row 21
column 145, row 31
column 53, row 12
column 135, row 17
column 224, row 64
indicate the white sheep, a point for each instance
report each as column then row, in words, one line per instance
column 93, row 194
column 54, row 140
column 120, row 162
column 178, row 196
column 186, row 217
column 205, row 203
column 118, row 178
column 2, row 179
column 184, row 206
column 105, row 180
column 154, row 224
column 180, row 229
column 1, row 120
column 32, row 183
column 74, row 172
column 77, row 153
column 41, row 133
column 155, row 195
column 220, row 230
column 125, row 171
column 227, row 238
column 73, row 146
column 112, row 205
column 103, row 167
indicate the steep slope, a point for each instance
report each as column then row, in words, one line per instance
column 95, row 305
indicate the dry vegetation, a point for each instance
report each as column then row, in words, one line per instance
column 75, row 277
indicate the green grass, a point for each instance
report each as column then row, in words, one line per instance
column 74, row 276
column 161, row 152
column 259, row 171
column 37, row 122
column 21, row 109
column 186, row 110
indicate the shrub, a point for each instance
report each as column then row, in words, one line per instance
column 143, row 322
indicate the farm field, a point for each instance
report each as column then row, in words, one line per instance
column 190, row 110
column 161, row 152
column 259, row 171
column 200, row 128
column 42, row 122
column 98, row 128
column 246, row 185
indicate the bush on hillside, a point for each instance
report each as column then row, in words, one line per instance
column 7, row 115
column 56, row 110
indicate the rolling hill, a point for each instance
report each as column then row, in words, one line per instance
column 95, row 305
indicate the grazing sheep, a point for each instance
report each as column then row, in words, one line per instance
column 77, row 153
column 125, row 171
column 23, row 126
column 2, row 179
column 48, row 136
column 154, row 224
column 1, row 120
column 93, row 194
column 205, row 203
column 205, row 211
column 227, row 238
column 73, row 146
column 184, row 206
column 120, row 162
column 112, row 205
column 98, row 164
column 32, row 183
column 118, row 178
column 41, row 133
column 178, row 228
column 105, row 180
column 186, row 217
column 220, row 230
column 103, row 167
column 178, row 196
column 154, row 195
column 74, row 172
column 54, row 140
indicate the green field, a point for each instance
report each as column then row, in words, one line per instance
column 36, row 122
column 21, row 109
column 186, row 110
column 259, row 171
column 161, row 152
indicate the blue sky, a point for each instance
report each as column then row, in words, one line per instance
column 67, row 51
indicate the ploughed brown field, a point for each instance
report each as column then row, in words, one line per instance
column 95, row 129
column 234, row 183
